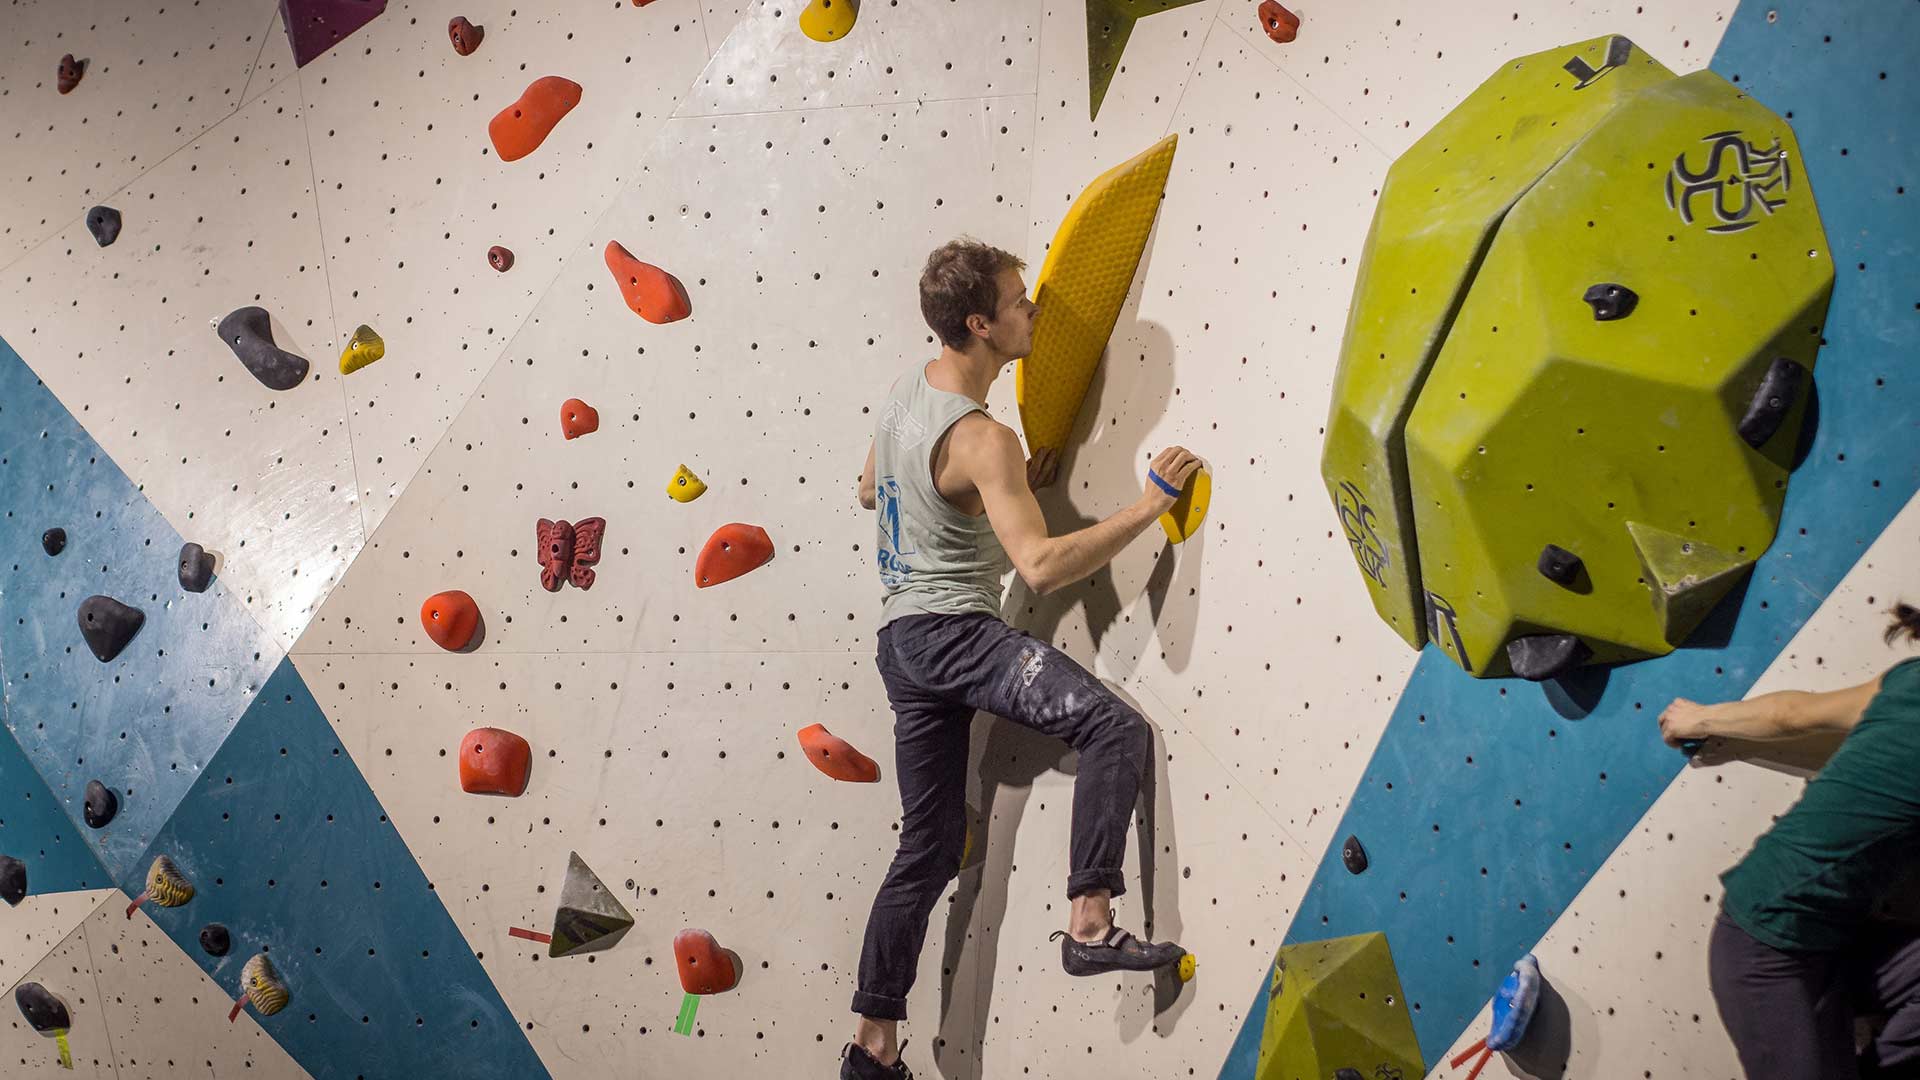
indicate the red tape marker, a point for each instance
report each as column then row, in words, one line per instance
column 530, row 935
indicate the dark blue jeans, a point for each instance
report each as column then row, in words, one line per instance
column 939, row 670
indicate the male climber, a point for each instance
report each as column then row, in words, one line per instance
column 956, row 511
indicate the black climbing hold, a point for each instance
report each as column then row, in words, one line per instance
column 196, row 568
column 1770, row 403
column 101, row 805
column 13, row 880
column 249, row 333
column 42, row 1010
column 1619, row 51
column 108, row 625
column 1354, row 856
column 1610, row 301
column 1559, row 565
column 104, row 223
column 53, row 541
column 1347, row 1074
column 215, row 939
column 1537, row 657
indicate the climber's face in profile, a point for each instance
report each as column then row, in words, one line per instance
column 1010, row 334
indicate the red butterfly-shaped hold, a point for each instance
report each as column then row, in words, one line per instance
column 568, row 552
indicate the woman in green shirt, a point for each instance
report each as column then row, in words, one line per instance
column 1795, row 954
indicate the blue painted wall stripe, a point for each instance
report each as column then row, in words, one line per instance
column 287, row 845
column 146, row 723
column 34, row 830
column 1532, row 809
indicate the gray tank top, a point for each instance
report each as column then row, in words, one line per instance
column 933, row 558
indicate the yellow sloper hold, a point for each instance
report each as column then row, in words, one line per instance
column 363, row 348
column 1190, row 509
column 685, row 487
column 1081, row 287
column 829, row 20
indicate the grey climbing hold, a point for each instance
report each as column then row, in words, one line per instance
column 1775, row 395
column 104, row 223
column 215, row 940
column 1538, row 657
column 248, row 331
column 101, row 805
column 1611, row 301
column 1354, row 856
column 590, row 918
column 1558, row 565
column 13, row 880
column 196, row 568
column 108, row 625
column 53, row 541
column 42, row 1010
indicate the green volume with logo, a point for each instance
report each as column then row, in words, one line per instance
column 1584, row 319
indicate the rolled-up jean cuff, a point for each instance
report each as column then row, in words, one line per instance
column 880, row 1008
column 1110, row 878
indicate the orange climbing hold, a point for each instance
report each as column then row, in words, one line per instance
column 520, row 128
column 651, row 292
column 1280, row 24
column 836, row 757
column 705, row 968
column 732, row 550
column 578, row 418
column 450, row 618
column 494, row 762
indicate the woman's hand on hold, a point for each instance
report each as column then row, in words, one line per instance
column 1686, row 721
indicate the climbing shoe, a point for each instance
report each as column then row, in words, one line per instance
column 1118, row 951
column 857, row 1064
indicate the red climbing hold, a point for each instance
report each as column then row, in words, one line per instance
column 450, row 619
column 836, row 757
column 1280, row 24
column 501, row 258
column 705, row 968
column 651, row 292
column 520, row 128
column 568, row 552
column 732, row 550
column 494, row 762
column 578, row 418
column 70, row 72
column 466, row 36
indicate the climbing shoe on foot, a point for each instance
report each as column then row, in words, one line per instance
column 1118, row 951
column 857, row 1064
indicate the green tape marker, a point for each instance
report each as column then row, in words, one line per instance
column 66, row 1052
column 688, row 1007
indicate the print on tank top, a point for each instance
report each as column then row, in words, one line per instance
column 906, row 433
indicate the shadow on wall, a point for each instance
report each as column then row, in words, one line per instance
column 1009, row 757
column 1544, row 1053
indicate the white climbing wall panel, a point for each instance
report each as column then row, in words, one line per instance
column 141, row 1010
column 39, row 923
column 794, row 187
column 124, row 337
column 412, row 194
column 155, row 76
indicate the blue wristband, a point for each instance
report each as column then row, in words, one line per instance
column 1164, row 486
